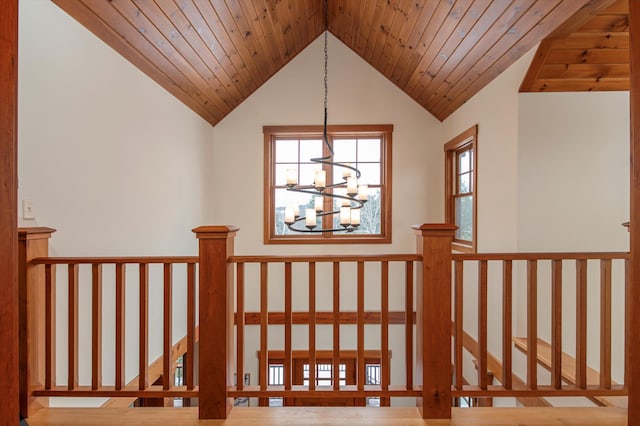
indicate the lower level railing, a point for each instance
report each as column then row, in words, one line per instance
column 314, row 330
column 355, row 293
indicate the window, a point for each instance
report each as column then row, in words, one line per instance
column 461, row 188
column 366, row 147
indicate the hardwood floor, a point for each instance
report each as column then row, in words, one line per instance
column 333, row 416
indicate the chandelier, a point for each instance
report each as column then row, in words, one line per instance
column 356, row 194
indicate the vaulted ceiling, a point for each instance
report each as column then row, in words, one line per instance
column 213, row 54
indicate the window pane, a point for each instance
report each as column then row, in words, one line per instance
column 464, row 161
column 370, row 214
column 370, row 173
column 310, row 148
column 369, row 150
column 464, row 218
column 286, row 151
column 338, row 172
column 284, row 199
column 308, row 174
column 464, row 183
column 344, row 150
column 281, row 173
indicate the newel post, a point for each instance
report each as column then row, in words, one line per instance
column 433, row 319
column 216, row 294
column 32, row 243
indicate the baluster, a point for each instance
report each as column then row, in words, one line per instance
column 191, row 327
column 240, row 328
column 336, row 326
column 50, row 326
column 605, row 323
column 532, row 324
column 120, row 325
column 72, row 380
column 361, row 376
column 384, row 325
column 458, row 326
column 312, row 326
column 287, row 364
column 507, row 326
column 408, row 324
column 628, row 327
column 167, row 360
column 581, row 323
column 143, row 357
column 264, row 323
column 556, row 323
column 96, row 326
column 482, row 325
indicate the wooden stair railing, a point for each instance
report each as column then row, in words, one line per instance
column 569, row 371
column 495, row 366
column 155, row 371
column 38, row 297
column 538, row 270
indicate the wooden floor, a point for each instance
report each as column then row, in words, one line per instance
column 332, row 416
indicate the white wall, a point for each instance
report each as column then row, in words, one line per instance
column 495, row 110
column 573, row 195
column 109, row 159
column 357, row 95
column 573, row 171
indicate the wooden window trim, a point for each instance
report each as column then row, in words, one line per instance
column 359, row 130
column 468, row 137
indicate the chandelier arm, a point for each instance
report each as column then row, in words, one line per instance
column 342, row 197
column 319, row 231
column 325, row 160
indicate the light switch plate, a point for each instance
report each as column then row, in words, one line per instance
column 27, row 209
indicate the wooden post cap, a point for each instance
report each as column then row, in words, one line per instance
column 35, row 233
column 435, row 229
column 216, row 231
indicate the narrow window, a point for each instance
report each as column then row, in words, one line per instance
column 461, row 188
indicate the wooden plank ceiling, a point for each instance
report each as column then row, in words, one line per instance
column 595, row 57
column 213, row 54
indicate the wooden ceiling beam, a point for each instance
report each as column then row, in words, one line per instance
column 587, row 12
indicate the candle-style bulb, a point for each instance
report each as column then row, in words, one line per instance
column 310, row 221
column 292, row 177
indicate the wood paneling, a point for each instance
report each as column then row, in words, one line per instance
column 213, row 55
column 590, row 52
column 9, row 378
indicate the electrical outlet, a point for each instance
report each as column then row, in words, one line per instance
column 27, row 209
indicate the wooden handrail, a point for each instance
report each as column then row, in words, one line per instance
column 106, row 260
column 541, row 256
column 568, row 371
column 327, row 258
